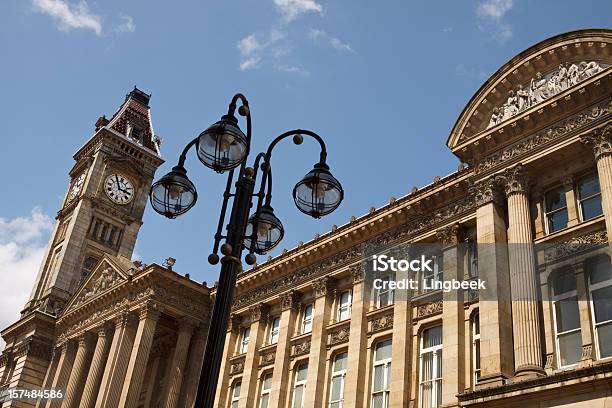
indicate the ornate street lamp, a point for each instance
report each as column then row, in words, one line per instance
column 224, row 147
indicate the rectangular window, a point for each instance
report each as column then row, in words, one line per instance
column 476, row 347
column 600, row 286
column 431, row 367
column 566, row 318
column 589, row 196
column 344, row 305
column 472, row 258
column 307, row 319
column 244, row 341
column 336, row 396
column 435, row 275
column 236, row 394
column 299, row 386
column 556, row 210
column 266, row 386
column 384, row 295
column 274, row 329
column 381, row 378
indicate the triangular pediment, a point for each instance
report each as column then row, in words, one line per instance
column 106, row 275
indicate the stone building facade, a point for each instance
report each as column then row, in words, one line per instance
column 529, row 211
column 533, row 196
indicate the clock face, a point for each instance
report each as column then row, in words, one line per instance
column 77, row 185
column 119, row 189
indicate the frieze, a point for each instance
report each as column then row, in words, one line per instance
column 300, row 347
column 267, row 357
column 237, row 365
column 575, row 245
column 542, row 88
column 381, row 323
column 545, row 136
column 339, row 335
column 108, row 279
column 448, row 236
column 429, row 309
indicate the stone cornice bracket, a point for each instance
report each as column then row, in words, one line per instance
column 600, row 140
column 323, row 286
column 515, row 180
column 235, row 323
column 289, row 300
column 357, row 272
column 485, row 192
column 259, row 312
column 150, row 310
column 448, row 236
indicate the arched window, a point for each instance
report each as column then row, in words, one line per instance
column 299, row 385
column 476, row 346
column 381, row 377
column 336, row 395
column 431, row 367
column 566, row 317
column 88, row 265
column 266, row 387
column 235, row 394
column 600, row 287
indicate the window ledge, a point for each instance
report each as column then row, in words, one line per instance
column 570, row 231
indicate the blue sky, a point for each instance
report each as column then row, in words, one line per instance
column 382, row 82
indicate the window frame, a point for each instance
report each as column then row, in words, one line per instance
column 344, row 307
column 548, row 213
column 592, row 288
column 235, row 399
column 274, row 331
column 265, row 392
column 342, row 375
column 434, row 378
column 386, row 364
column 556, row 299
column 299, row 383
column 245, row 337
column 581, row 199
column 385, row 290
column 307, row 319
column 476, row 363
column 436, row 275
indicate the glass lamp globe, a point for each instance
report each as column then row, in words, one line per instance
column 318, row 193
column 222, row 146
column 269, row 232
column 174, row 194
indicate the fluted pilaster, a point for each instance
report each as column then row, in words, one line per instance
column 96, row 368
column 178, row 361
column 77, row 376
column 194, row 367
column 62, row 374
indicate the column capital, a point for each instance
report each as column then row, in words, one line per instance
column 150, row 310
column 235, row 323
column 289, row 300
column 323, row 286
column 357, row 272
column 258, row 312
column 600, row 140
column 485, row 192
column 514, row 180
column 123, row 319
column 449, row 235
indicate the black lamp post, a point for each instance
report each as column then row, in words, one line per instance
column 224, row 147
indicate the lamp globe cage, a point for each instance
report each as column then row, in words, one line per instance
column 174, row 194
column 269, row 231
column 223, row 146
column 318, row 193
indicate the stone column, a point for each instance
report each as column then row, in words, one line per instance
column 316, row 378
column 233, row 332
column 453, row 326
column 525, row 299
column 96, row 368
column 600, row 140
column 77, row 376
column 357, row 348
column 130, row 394
column 62, row 374
column 496, row 353
column 47, row 382
column 248, row 392
column 152, row 381
column 177, row 364
column 194, row 367
column 117, row 362
column 281, row 377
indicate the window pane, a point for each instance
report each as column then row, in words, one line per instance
column 379, row 378
column 264, row 401
column 602, row 303
column 557, row 221
column 439, row 392
column 570, row 348
column 555, row 200
column 427, row 367
column 383, row 299
column 432, row 337
column 237, row 390
column 426, row 396
column 377, row 401
column 267, row 382
column 336, row 388
column 297, row 396
column 340, row 362
column 439, row 363
column 588, row 186
column 477, row 354
column 302, row 372
column 604, row 334
column 477, row 324
column 564, row 282
column 334, row 405
column 599, row 270
column 591, row 207
column 235, row 404
column 567, row 314
column 383, row 350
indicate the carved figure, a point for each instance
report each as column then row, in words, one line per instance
column 538, row 89
column 523, row 98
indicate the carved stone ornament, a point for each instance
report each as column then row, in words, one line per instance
column 237, row 365
column 575, row 245
column 300, row 348
column 546, row 136
column 150, row 310
column 323, row 286
column 258, row 312
column 486, row 192
column 108, row 278
column 542, row 88
column 267, row 357
column 382, row 323
column 429, row 309
column 600, row 140
column 448, row 236
column 235, row 323
column 357, row 272
column 340, row 335
column 515, row 180
column 289, row 300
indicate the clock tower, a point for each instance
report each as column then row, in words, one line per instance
column 104, row 203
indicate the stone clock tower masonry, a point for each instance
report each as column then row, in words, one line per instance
column 100, row 216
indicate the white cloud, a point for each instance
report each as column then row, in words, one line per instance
column 448, row 29
column 69, row 16
column 491, row 15
column 291, row 69
column 318, row 35
column 249, row 63
column 292, row 9
column 251, row 49
column 22, row 246
column 127, row 26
